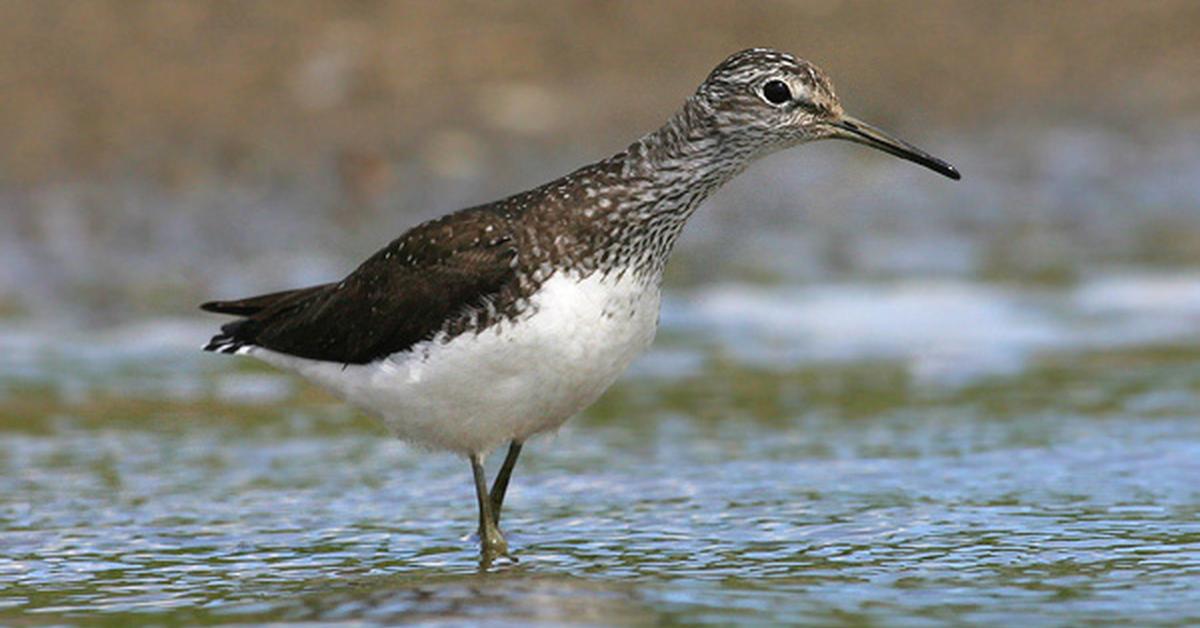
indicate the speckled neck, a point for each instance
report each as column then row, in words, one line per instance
column 643, row 196
column 689, row 150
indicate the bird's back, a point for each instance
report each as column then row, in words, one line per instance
column 461, row 273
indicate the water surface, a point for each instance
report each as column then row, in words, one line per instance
column 920, row 452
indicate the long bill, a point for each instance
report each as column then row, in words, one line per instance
column 860, row 132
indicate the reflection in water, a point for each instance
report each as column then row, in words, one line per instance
column 511, row 595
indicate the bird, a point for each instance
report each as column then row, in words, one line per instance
column 496, row 323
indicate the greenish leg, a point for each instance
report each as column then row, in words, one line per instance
column 491, row 541
column 500, row 487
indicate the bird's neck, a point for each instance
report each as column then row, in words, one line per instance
column 689, row 157
column 658, row 182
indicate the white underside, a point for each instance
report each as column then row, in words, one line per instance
column 512, row 381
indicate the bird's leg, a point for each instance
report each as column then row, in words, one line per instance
column 500, row 486
column 491, row 541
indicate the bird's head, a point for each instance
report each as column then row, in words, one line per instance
column 767, row 100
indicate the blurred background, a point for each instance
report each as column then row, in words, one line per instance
column 1045, row 309
column 155, row 154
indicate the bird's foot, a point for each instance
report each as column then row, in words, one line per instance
column 493, row 546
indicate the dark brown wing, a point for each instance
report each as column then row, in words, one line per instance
column 402, row 295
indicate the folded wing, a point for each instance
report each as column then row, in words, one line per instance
column 404, row 294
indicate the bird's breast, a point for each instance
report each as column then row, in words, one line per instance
column 597, row 322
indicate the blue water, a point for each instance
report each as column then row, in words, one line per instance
column 905, row 452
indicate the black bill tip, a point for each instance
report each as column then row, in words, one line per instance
column 860, row 132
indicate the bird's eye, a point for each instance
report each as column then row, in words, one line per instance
column 776, row 92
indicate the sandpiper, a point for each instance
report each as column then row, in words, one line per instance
column 499, row 322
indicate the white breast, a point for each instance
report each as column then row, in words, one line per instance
column 512, row 381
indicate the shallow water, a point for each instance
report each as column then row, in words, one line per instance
column 912, row 452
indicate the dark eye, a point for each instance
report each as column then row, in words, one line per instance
column 776, row 92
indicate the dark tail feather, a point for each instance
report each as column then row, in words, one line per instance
column 235, row 308
column 233, row 336
column 244, row 331
column 223, row 344
column 253, row 305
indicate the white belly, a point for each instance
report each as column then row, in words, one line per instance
column 512, row 381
